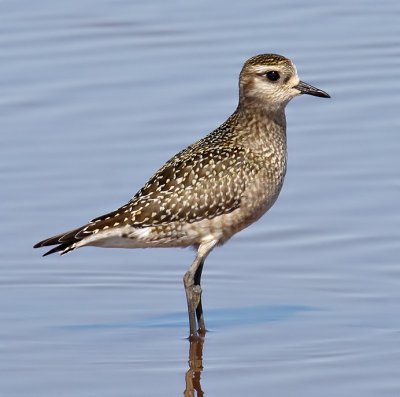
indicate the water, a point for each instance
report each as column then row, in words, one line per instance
column 95, row 95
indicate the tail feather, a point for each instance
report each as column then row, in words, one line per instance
column 65, row 241
column 60, row 248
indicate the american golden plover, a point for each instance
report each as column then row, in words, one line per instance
column 212, row 189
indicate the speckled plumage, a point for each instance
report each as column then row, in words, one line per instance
column 214, row 188
column 203, row 183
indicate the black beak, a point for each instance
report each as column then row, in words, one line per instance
column 305, row 88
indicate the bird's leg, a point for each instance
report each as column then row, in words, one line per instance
column 199, row 308
column 193, row 290
column 193, row 293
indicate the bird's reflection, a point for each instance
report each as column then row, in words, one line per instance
column 193, row 374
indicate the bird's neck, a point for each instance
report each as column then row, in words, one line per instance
column 262, row 127
column 248, row 109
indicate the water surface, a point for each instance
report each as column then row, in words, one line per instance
column 95, row 95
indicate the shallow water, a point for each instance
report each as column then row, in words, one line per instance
column 95, row 96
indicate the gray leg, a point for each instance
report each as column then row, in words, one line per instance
column 193, row 291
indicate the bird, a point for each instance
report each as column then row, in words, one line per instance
column 214, row 188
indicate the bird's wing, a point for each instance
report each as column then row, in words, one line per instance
column 190, row 188
column 194, row 185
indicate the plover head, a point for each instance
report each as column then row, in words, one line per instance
column 271, row 80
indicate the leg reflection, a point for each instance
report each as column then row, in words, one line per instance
column 192, row 377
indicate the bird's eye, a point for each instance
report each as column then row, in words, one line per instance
column 272, row 75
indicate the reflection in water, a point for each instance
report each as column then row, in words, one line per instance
column 192, row 377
